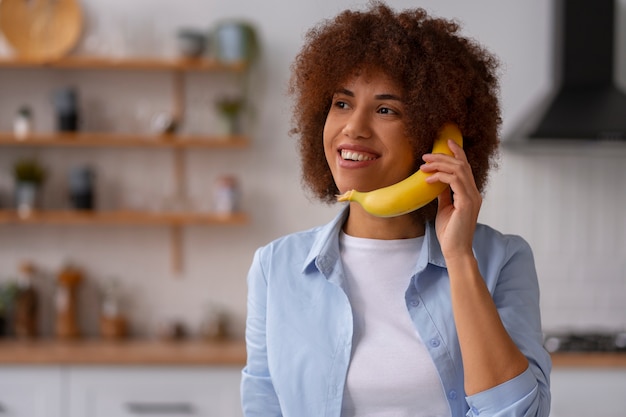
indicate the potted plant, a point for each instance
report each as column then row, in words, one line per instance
column 29, row 176
column 229, row 109
column 7, row 296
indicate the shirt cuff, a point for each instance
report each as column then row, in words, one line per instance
column 512, row 394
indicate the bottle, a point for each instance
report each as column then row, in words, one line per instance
column 26, row 304
column 226, row 195
column 23, row 123
column 66, row 303
column 112, row 321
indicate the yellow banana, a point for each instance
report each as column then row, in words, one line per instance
column 411, row 193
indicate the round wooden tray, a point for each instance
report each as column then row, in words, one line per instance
column 41, row 29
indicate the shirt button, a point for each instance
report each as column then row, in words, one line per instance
column 415, row 302
column 452, row 394
column 434, row 343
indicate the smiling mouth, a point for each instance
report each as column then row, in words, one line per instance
column 355, row 156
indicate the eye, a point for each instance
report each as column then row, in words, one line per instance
column 340, row 104
column 387, row 110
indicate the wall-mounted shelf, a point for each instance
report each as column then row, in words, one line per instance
column 121, row 217
column 176, row 142
column 139, row 64
column 84, row 139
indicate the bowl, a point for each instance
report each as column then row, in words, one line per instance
column 191, row 43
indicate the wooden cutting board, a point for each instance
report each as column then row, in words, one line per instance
column 41, row 29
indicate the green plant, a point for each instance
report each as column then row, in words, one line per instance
column 29, row 170
column 229, row 107
column 7, row 295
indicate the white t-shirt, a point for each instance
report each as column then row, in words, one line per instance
column 391, row 373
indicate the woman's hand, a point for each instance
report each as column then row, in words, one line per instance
column 459, row 205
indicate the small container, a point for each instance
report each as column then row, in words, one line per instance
column 226, row 195
column 66, row 106
column 66, row 303
column 81, row 187
column 215, row 324
column 112, row 322
column 23, row 123
column 26, row 304
column 191, row 43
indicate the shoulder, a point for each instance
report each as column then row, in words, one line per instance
column 490, row 242
column 305, row 244
column 292, row 243
column 502, row 257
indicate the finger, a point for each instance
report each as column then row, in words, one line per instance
column 442, row 164
column 457, row 150
column 445, row 198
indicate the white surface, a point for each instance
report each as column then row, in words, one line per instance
column 31, row 392
column 55, row 391
column 117, row 392
column 588, row 392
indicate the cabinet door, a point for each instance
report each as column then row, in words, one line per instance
column 593, row 392
column 27, row 391
column 154, row 391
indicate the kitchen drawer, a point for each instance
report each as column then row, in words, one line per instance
column 587, row 391
column 154, row 391
column 31, row 391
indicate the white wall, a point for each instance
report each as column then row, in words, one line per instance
column 569, row 206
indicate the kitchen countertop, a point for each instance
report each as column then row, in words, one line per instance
column 194, row 352
column 127, row 352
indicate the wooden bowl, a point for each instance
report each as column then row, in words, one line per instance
column 42, row 30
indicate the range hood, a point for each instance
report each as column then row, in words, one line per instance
column 588, row 104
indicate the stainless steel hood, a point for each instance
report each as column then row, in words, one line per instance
column 588, row 104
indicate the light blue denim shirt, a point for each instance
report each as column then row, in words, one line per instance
column 299, row 325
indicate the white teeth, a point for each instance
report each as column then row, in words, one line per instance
column 354, row 156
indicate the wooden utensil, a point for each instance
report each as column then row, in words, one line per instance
column 41, row 30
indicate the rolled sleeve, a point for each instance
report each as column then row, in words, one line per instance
column 514, row 398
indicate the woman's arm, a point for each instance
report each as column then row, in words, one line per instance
column 490, row 356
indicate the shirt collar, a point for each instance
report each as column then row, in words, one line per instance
column 325, row 249
column 324, row 252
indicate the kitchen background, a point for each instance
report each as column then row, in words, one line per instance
column 567, row 201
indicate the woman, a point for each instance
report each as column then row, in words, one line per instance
column 423, row 314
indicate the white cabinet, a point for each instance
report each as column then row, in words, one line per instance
column 116, row 391
column 154, row 391
column 593, row 392
column 31, row 391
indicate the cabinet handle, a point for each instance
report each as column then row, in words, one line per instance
column 159, row 408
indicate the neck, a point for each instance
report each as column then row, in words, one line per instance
column 362, row 224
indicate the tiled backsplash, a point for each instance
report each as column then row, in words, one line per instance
column 570, row 206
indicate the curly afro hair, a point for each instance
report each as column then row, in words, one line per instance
column 444, row 76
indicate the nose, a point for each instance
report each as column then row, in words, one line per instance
column 357, row 125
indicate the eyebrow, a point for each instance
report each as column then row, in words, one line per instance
column 385, row 96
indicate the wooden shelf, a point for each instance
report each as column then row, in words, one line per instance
column 139, row 64
column 68, row 217
column 589, row 359
column 178, row 68
column 92, row 139
column 127, row 352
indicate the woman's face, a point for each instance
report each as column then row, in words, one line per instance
column 364, row 136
